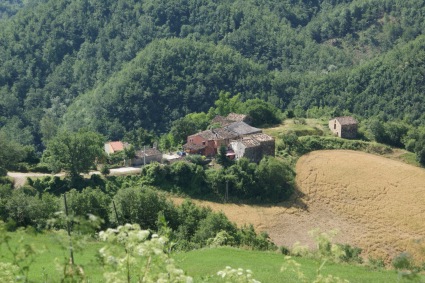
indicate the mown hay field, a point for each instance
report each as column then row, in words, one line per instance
column 376, row 203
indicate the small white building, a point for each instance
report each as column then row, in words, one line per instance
column 115, row 146
column 344, row 127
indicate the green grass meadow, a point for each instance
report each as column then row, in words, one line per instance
column 266, row 266
column 52, row 253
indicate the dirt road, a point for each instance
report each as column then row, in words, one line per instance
column 20, row 178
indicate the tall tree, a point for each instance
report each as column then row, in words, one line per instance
column 10, row 153
column 73, row 152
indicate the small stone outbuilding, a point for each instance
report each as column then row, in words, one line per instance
column 146, row 156
column 344, row 127
column 254, row 147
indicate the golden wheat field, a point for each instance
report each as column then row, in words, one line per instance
column 376, row 203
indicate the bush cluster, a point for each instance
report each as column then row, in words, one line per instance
column 270, row 180
column 190, row 226
column 305, row 144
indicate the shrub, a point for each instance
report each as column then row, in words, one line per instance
column 247, row 237
column 299, row 250
column 141, row 206
column 39, row 168
column 351, row 254
column 222, row 238
column 105, row 170
column 211, row 225
column 89, row 201
column 284, row 250
column 276, row 178
column 402, row 261
column 376, row 263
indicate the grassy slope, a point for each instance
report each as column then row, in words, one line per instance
column 199, row 263
column 266, row 266
column 51, row 253
column 310, row 127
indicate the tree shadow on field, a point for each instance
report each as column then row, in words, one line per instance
column 297, row 200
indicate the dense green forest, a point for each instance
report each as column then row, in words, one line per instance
column 9, row 8
column 117, row 66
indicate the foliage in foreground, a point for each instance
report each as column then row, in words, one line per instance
column 135, row 254
column 201, row 264
column 191, row 226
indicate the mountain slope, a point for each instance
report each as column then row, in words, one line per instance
column 168, row 79
column 53, row 51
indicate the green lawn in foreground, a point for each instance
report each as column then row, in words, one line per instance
column 52, row 252
column 266, row 266
column 53, row 247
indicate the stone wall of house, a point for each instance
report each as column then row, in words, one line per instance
column 254, row 154
column 148, row 159
column 335, row 127
column 209, row 150
column 268, row 148
column 348, row 131
column 343, row 131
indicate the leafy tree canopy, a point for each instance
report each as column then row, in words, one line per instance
column 73, row 152
column 116, row 66
column 10, row 153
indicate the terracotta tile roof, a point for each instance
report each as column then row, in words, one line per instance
column 116, row 145
column 242, row 128
column 346, row 120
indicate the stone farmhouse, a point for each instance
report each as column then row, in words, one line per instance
column 208, row 142
column 344, row 127
column 244, row 140
column 254, row 147
column 146, row 156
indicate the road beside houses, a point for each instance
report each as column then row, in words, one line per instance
column 19, row 178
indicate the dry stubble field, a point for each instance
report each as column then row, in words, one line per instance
column 376, row 203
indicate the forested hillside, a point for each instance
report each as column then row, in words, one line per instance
column 114, row 66
column 9, row 8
